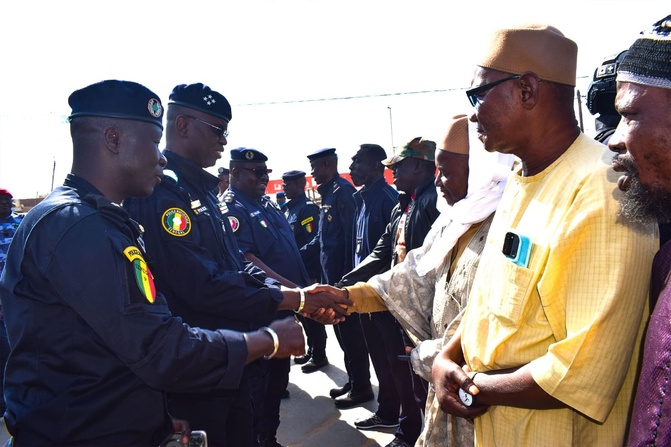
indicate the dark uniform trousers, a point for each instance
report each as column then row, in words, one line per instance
column 303, row 217
column 261, row 229
column 336, row 222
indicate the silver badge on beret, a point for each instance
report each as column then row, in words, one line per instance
column 249, row 155
column 154, row 107
column 209, row 100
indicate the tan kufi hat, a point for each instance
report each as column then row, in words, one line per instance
column 456, row 139
column 542, row 49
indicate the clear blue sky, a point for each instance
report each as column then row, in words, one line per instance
column 284, row 65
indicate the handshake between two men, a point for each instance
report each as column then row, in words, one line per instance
column 322, row 303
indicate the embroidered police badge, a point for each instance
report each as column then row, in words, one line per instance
column 235, row 223
column 176, row 222
column 143, row 276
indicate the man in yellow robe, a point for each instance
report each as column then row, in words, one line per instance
column 548, row 346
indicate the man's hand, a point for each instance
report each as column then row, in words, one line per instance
column 324, row 316
column 181, row 426
column 290, row 334
column 448, row 377
column 321, row 296
column 317, row 288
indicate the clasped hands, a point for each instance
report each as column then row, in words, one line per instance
column 448, row 377
column 326, row 304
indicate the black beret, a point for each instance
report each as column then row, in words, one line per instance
column 292, row 175
column 247, row 154
column 203, row 98
column 117, row 99
column 223, row 171
column 279, row 194
column 321, row 153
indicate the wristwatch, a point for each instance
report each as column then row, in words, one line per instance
column 466, row 398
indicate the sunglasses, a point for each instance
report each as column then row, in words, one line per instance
column 476, row 93
column 220, row 131
column 259, row 172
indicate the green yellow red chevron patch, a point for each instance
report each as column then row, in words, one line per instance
column 143, row 276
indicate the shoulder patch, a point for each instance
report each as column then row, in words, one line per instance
column 235, row 223
column 143, row 276
column 176, row 222
column 307, row 221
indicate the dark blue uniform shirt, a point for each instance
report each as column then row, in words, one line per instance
column 303, row 217
column 374, row 204
column 335, row 229
column 195, row 256
column 261, row 229
column 8, row 226
column 94, row 346
column 422, row 212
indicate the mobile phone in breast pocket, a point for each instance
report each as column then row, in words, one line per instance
column 517, row 248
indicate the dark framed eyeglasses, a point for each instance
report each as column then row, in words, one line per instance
column 476, row 93
column 259, row 172
column 220, row 131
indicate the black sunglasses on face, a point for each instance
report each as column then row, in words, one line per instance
column 474, row 94
column 259, row 172
column 220, row 131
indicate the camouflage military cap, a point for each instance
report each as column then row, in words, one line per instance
column 417, row 148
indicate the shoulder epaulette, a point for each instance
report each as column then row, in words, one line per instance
column 170, row 176
column 228, row 196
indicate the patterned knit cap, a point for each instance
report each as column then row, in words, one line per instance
column 648, row 61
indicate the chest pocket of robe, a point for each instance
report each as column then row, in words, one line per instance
column 511, row 292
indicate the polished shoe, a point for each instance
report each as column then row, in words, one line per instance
column 314, row 365
column 269, row 443
column 302, row 359
column 267, row 440
column 374, row 421
column 398, row 442
column 336, row 392
column 286, row 394
column 353, row 399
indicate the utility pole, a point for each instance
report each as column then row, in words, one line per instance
column 391, row 129
column 53, row 173
column 577, row 95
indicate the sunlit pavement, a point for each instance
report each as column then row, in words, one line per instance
column 310, row 419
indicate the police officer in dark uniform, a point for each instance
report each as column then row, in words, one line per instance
column 265, row 238
column 94, row 346
column 196, row 259
column 601, row 97
column 281, row 200
column 336, row 242
column 9, row 222
column 303, row 217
